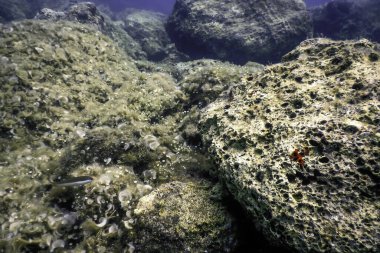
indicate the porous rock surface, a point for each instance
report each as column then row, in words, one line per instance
column 348, row 19
column 323, row 100
column 201, row 223
column 202, row 81
column 238, row 31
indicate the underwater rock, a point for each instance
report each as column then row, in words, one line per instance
column 49, row 14
column 70, row 99
column 204, row 80
column 12, row 10
column 148, row 29
column 238, row 31
column 73, row 105
column 348, row 19
column 87, row 13
column 183, row 217
column 298, row 146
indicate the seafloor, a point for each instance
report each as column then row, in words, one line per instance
column 225, row 127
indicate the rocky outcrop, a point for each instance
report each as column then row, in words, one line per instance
column 87, row 13
column 148, row 29
column 187, row 217
column 73, row 104
column 348, row 19
column 12, row 10
column 238, row 31
column 298, row 146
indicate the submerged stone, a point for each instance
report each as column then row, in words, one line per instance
column 302, row 156
column 238, row 31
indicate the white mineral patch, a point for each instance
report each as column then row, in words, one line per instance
column 57, row 244
column 101, row 249
column 13, row 227
column 99, row 200
column 4, row 60
column 113, row 229
column 69, row 219
column 103, row 222
column 127, row 224
column 80, row 133
column 39, row 50
column 179, row 138
column 154, row 145
column 48, row 239
column 108, row 160
column 89, row 201
column 131, row 248
column 149, row 175
column 105, row 179
column 143, row 189
column 124, row 197
column 127, row 146
column 151, row 142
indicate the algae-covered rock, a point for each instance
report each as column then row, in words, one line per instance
column 238, row 31
column 12, row 10
column 73, row 104
column 204, row 80
column 183, row 217
column 298, row 146
column 87, row 13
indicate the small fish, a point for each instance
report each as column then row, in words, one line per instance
column 74, row 181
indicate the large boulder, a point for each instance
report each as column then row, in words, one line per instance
column 87, row 13
column 238, row 31
column 298, row 146
column 73, row 104
column 348, row 19
column 21, row 9
column 148, row 29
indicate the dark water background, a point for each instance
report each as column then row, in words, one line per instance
column 166, row 6
column 313, row 3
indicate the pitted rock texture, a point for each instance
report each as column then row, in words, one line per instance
column 324, row 101
column 238, row 31
column 204, row 80
column 184, row 217
column 348, row 19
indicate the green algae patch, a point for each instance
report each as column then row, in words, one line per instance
column 200, row 223
column 73, row 104
column 203, row 81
